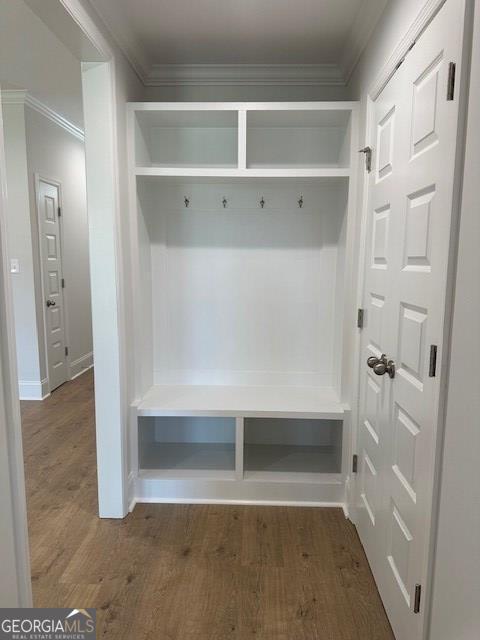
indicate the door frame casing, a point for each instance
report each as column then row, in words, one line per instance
column 14, row 528
column 38, row 177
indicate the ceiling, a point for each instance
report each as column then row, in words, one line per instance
column 155, row 33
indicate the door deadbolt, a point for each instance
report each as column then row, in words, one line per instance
column 51, row 303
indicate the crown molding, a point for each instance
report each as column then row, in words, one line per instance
column 244, row 74
column 13, row 96
column 18, row 96
column 360, row 32
column 125, row 40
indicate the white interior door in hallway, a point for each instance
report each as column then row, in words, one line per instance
column 51, row 265
column 409, row 225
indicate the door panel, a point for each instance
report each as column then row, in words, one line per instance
column 411, row 200
column 51, row 258
column 382, row 235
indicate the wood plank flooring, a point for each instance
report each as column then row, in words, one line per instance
column 184, row 572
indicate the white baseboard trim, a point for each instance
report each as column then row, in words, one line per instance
column 33, row 389
column 80, row 365
column 131, row 492
column 261, row 503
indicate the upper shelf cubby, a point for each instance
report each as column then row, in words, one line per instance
column 183, row 139
column 243, row 139
column 298, row 139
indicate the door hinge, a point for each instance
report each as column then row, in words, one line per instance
column 417, row 598
column 63, row 283
column 59, row 211
column 66, row 351
column 368, row 151
column 451, row 81
column 360, row 318
column 432, row 367
column 354, row 463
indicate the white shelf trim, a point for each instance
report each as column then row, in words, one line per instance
column 339, row 105
column 293, row 476
column 203, row 474
column 251, row 402
column 207, row 172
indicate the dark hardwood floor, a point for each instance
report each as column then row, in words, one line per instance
column 184, row 572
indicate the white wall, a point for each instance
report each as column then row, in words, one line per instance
column 54, row 153
column 20, row 247
column 456, row 584
column 389, row 31
column 243, row 295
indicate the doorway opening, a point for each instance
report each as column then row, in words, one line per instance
column 47, row 346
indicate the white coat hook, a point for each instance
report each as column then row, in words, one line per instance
column 224, row 202
column 300, row 202
column 186, row 201
column 262, row 202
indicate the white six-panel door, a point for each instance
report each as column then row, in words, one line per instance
column 51, row 259
column 408, row 244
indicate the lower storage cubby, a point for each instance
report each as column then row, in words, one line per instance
column 230, row 459
column 292, row 446
column 186, row 444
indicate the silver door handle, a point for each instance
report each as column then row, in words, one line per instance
column 373, row 360
column 51, row 303
column 385, row 367
column 382, row 365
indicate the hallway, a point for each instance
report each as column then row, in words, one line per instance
column 184, row 572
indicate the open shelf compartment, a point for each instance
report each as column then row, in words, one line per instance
column 298, row 139
column 183, row 446
column 179, row 139
column 291, row 446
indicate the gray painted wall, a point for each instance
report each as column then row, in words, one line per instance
column 20, row 244
column 36, row 145
column 54, row 153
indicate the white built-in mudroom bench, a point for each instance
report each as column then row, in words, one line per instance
column 242, row 227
